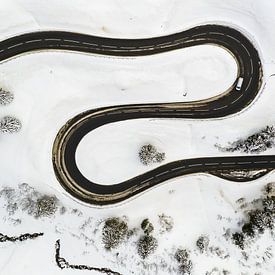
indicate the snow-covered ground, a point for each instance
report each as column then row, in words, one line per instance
column 52, row 87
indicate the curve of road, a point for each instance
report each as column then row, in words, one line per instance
column 230, row 102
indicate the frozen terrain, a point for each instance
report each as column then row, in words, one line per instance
column 52, row 87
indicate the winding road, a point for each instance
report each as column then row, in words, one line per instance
column 227, row 103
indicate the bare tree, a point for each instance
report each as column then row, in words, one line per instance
column 10, row 124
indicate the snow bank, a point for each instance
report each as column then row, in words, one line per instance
column 50, row 88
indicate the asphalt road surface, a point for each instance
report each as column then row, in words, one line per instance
column 228, row 102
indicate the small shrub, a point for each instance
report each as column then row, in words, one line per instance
column 270, row 189
column 148, row 154
column 269, row 204
column 5, row 97
column 10, row 124
column 62, row 210
column 239, row 239
column 147, row 226
column 114, row 232
column 186, row 268
column 261, row 220
column 46, row 206
column 249, row 230
column 146, row 246
column 183, row 258
column 12, row 208
column 202, row 243
column 181, row 255
column 166, row 223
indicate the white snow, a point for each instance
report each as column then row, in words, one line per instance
column 52, row 87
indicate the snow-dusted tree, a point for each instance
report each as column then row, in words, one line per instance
column 183, row 258
column 148, row 154
column 146, row 246
column 5, row 97
column 261, row 220
column 10, row 124
column 114, row 232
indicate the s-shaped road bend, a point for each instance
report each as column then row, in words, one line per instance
column 227, row 103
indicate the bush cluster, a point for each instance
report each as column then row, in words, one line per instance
column 256, row 143
column 258, row 220
column 148, row 154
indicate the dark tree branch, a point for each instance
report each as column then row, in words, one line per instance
column 62, row 263
column 21, row 238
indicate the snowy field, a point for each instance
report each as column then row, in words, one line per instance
column 52, row 87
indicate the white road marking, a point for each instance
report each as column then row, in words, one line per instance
column 31, row 41
column 196, row 35
column 163, row 173
column 109, row 46
column 53, row 39
column 74, row 41
column 237, row 99
column 163, row 44
column 146, row 47
column 178, row 168
column 246, row 49
column 15, row 46
column 260, row 162
column 250, row 79
column 233, row 38
column 90, row 44
column 251, row 65
column 125, row 47
column 216, row 33
column 194, row 165
column 225, row 106
column 181, row 40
